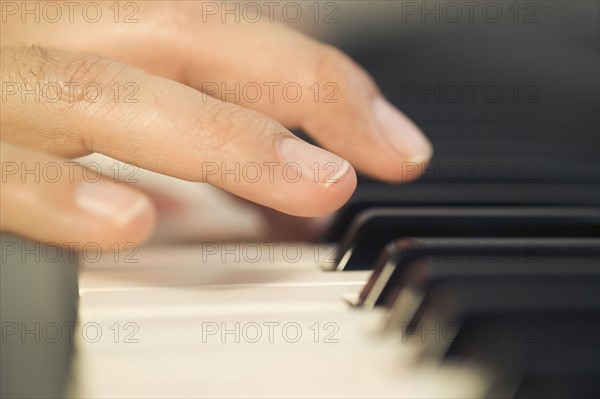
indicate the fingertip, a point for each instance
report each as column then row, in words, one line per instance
column 327, row 180
column 115, row 214
column 404, row 137
column 337, row 192
column 325, row 198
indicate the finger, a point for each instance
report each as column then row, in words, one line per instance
column 264, row 66
column 303, row 83
column 187, row 211
column 49, row 199
column 166, row 127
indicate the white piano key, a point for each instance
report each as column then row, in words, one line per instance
column 212, row 255
column 165, row 314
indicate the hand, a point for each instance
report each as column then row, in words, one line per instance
column 133, row 91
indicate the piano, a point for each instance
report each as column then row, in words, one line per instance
column 479, row 280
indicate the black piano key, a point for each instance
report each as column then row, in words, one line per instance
column 375, row 228
column 530, row 348
column 532, row 331
column 373, row 195
column 546, row 354
column 390, row 272
column 479, row 284
column 511, row 323
column 453, row 297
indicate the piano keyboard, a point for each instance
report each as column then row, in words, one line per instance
column 511, row 314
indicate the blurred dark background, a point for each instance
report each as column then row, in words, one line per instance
column 517, row 87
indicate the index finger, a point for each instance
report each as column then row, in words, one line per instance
column 74, row 104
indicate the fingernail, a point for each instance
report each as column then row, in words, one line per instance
column 316, row 164
column 401, row 133
column 111, row 200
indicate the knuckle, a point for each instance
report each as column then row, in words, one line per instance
column 25, row 64
column 330, row 61
column 89, row 77
column 335, row 66
column 62, row 79
column 89, row 68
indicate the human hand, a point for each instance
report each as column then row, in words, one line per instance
column 151, row 112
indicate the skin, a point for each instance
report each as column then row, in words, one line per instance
column 168, row 57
